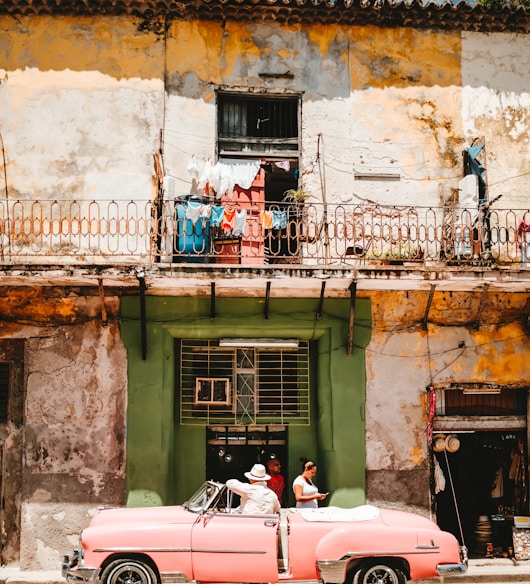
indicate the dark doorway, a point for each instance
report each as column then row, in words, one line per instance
column 11, row 446
column 486, row 477
column 231, row 452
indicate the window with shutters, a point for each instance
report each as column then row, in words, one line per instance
column 257, row 125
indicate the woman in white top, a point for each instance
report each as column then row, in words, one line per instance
column 305, row 491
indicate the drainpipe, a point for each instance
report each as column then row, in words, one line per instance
column 140, row 274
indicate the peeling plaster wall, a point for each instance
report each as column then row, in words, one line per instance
column 496, row 105
column 82, row 102
column 81, row 106
column 74, row 415
column 403, row 360
column 360, row 86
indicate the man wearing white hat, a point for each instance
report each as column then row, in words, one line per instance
column 256, row 497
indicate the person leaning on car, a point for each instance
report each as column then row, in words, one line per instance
column 256, row 497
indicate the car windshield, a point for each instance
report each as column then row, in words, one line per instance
column 204, row 497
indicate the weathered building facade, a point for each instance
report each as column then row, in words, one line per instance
column 168, row 315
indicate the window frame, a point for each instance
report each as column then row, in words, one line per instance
column 255, row 146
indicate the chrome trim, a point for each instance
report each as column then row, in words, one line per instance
column 332, row 570
column 140, row 550
column 427, row 547
column 86, row 575
column 221, row 551
column 173, row 578
column 390, row 554
column 444, row 569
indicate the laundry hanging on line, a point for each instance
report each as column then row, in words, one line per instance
column 231, row 220
column 224, row 175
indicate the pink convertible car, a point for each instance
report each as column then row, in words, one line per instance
column 206, row 540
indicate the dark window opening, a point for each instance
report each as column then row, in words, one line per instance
column 257, row 117
column 256, row 124
column 504, row 403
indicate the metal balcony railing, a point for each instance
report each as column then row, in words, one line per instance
column 195, row 231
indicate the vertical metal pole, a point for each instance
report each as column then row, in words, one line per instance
column 143, row 323
column 267, row 299
column 353, row 292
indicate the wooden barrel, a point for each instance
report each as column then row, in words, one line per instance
column 483, row 534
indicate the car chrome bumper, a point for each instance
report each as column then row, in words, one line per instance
column 444, row 569
column 72, row 572
column 332, row 570
column 460, row 568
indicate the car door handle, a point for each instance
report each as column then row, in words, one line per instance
column 270, row 523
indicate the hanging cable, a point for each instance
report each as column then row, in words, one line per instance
column 454, row 499
column 7, row 229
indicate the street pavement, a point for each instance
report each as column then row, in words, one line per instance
column 481, row 570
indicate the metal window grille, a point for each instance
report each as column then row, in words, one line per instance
column 454, row 402
column 254, row 123
column 265, row 386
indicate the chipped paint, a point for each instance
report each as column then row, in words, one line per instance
column 496, row 352
column 82, row 103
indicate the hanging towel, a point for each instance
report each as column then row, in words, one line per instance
column 206, row 211
column 240, row 221
column 228, row 219
column 225, row 174
column 193, row 211
column 279, row 219
column 217, row 215
column 284, row 165
column 193, row 167
column 266, row 220
column 439, row 478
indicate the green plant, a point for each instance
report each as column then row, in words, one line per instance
column 405, row 252
column 298, row 195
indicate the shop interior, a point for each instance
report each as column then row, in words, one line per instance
column 479, row 486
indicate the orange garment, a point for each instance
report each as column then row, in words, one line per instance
column 229, row 219
column 266, row 220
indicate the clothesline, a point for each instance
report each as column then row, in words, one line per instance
column 221, row 177
column 231, row 218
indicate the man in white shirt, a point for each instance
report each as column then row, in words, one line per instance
column 256, row 497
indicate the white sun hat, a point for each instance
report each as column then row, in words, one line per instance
column 257, row 473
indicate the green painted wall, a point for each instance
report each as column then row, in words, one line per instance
column 170, row 459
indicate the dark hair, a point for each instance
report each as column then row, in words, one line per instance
column 307, row 464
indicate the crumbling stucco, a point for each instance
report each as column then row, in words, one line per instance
column 403, row 359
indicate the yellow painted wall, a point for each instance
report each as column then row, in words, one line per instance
column 113, row 47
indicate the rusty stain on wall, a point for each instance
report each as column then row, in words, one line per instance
column 114, row 48
column 441, row 127
column 398, row 58
column 455, row 348
column 40, row 305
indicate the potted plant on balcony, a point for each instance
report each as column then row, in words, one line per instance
column 296, row 199
column 405, row 254
column 298, row 195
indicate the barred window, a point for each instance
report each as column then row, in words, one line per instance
column 243, row 385
column 257, row 124
column 480, row 400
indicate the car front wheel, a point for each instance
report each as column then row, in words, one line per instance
column 128, row 572
column 380, row 574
